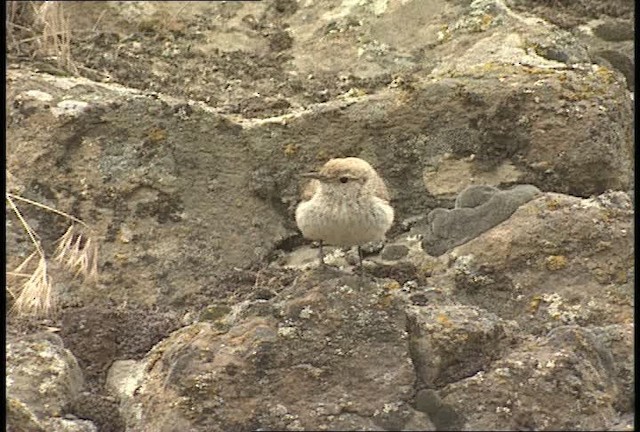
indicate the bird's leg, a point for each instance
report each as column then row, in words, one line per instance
column 360, row 259
column 321, row 254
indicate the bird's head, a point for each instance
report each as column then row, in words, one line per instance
column 348, row 172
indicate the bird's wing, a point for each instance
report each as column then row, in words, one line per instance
column 380, row 189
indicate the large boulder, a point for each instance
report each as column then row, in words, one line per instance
column 324, row 354
column 180, row 146
column 43, row 381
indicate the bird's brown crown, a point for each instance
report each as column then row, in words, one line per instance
column 350, row 167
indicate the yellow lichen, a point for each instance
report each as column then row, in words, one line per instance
column 157, row 135
column 556, row 262
column 605, row 74
column 553, row 204
column 392, row 285
column 486, row 21
column 443, row 320
column 291, row 149
column 621, row 277
column 534, row 305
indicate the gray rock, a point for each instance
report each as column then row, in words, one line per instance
column 57, row 424
column 478, row 208
column 43, row 378
column 449, row 343
column 617, row 340
column 394, row 252
column 557, row 260
column 473, row 196
column 576, row 386
column 334, row 343
column 444, row 417
column 615, row 30
column 20, row 418
column 191, row 194
column 621, row 62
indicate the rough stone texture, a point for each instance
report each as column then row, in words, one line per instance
column 557, row 260
column 469, row 336
column 619, row 338
column 68, row 425
column 124, row 333
column 43, row 379
column 345, row 341
column 20, row 418
column 477, row 208
column 449, row 343
column 42, row 374
column 605, row 28
column 571, row 372
column 123, row 379
column 151, row 171
column 181, row 143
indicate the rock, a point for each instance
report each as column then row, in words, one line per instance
column 618, row 340
column 181, row 144
column 615, row 30
column 449, row 343
column 126, row 332
column 444, row 416
column 394, row 252
column 478, row 208
column 587, row 243
column 610, row 42
column 621, row 62
column 575, row 382
column 447, row 176
column 123, row 379
column 230, row 201
column 20, row 418
column 101, row 409
column 43, row 379
column 57, row 424
column 344, row 347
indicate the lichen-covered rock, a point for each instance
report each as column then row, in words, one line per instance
column 43, row 379
column 557, row 260
column 123, row 379
column 331, row 354
column 619, row 339
column 452, row 342
column 477, row 209
column 181, row 144
column 562, row 382
column 20, row 418
column 57, row 424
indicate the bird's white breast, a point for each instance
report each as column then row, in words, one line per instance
column 344, row 222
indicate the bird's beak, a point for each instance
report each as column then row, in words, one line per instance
column 312, row 175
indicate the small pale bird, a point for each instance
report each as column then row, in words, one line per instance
column 346, row 203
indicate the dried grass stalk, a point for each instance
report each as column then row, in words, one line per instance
column 20, row 18
column 40, row 28
column 56, row 33
column 78, row 253
column 76, row 250
column 36, row 293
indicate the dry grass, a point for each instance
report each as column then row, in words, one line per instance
column 78, row 253
column 40, row 29
column 76, row 250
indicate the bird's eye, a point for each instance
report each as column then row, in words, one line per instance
column 344, row 179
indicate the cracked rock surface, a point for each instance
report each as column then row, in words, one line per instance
column 501, row 299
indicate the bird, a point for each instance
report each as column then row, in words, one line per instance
column 346, row 203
